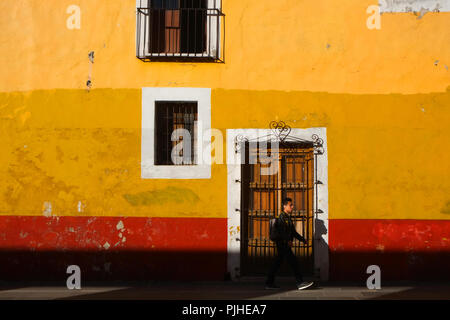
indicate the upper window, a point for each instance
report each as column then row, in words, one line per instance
column 179, row 29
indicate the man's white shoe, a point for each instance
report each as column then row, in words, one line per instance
column 304, row 285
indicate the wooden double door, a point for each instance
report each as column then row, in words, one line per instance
column 261, row 195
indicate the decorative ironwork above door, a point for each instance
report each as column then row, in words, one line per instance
column 281, row 133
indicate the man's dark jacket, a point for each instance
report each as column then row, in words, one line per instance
column 285, row 229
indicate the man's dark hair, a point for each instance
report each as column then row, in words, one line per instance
column 286, row 201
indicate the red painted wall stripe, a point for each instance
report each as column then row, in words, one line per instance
column 122, row 248
column 130, row 248
column 404, row 249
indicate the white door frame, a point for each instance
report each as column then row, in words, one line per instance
column 321, row 258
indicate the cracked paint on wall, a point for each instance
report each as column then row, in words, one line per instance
column 167, row 195
column 41, row 247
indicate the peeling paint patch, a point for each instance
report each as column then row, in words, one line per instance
column 91, row 62
column 120, row 225
column 421, row 6
column 91, row 56
column 47, row 209
column 81, row 206
column 74, row 234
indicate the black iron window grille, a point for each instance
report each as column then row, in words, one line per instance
column 261, row 197
column 176, row 30
column 179, row 148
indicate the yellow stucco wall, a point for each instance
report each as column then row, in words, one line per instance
column 382, row 95
column 65, row 146
column 321, row 45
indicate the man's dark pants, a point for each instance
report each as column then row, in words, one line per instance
column 284, row 251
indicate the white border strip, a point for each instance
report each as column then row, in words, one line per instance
column 321, row 259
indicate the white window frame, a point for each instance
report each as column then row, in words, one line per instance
column 201, row 170
column 211, row 37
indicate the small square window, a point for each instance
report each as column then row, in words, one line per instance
column 165, row 110
column 175, row 133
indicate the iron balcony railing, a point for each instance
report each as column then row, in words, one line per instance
column 180, row 34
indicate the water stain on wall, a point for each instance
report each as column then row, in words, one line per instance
column 446, row 208
column 167, row 195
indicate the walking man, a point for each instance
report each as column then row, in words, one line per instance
column 285, row 231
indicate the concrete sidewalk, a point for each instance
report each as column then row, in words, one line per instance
column 245, row 289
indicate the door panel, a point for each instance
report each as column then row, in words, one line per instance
column 261, row 197
column 178, row 26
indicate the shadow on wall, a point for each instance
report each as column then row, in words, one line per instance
column 118, row 265
column 19, row 266
column 259, row 265
column 403, row 249
column 126, row 264
column 321, row 248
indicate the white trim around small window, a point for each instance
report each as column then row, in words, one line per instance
column 202, row 170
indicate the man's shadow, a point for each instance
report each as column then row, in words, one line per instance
column 320, row 251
